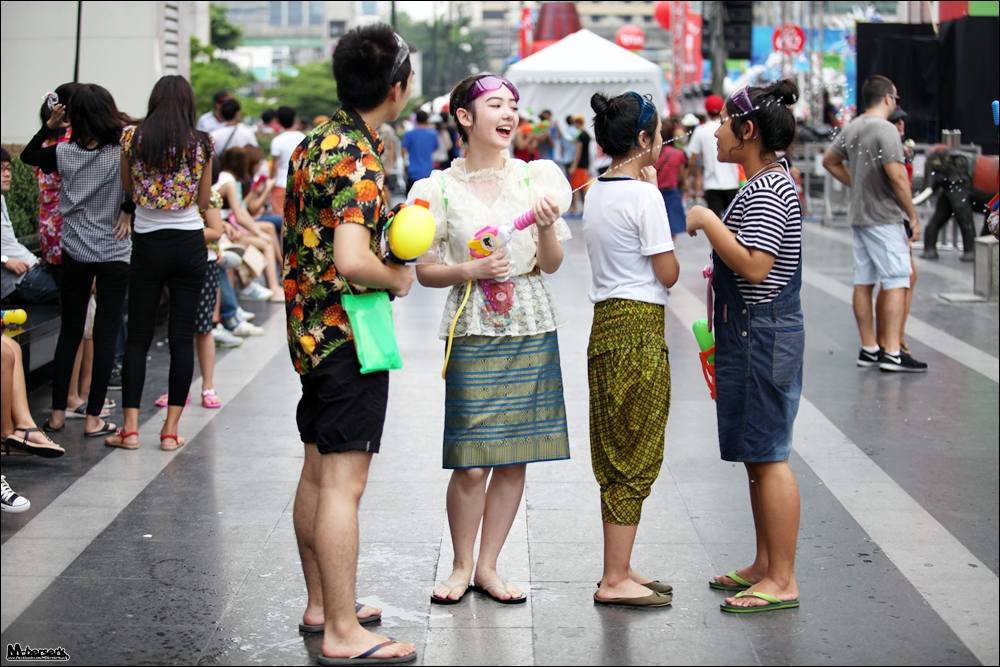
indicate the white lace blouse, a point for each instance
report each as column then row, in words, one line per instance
column 464, row 202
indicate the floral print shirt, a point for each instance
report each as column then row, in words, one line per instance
column 172, row 192
column 50, row 219
column 335, row 177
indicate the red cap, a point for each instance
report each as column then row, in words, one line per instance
column 713, row 104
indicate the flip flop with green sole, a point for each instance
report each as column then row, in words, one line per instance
column 743, row 583
column 773, row 603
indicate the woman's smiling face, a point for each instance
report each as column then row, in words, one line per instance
column 496, row 119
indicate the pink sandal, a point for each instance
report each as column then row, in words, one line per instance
column 210, row 400
column 164, row 400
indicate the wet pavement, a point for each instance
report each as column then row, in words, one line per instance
column 152, row 558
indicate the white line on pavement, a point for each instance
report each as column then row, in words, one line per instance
column 75, row 519
column 843, row 235
column 942, row 342
column 949, row 577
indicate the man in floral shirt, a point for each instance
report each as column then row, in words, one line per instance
column 334, row 220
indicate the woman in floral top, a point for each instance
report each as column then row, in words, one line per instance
column 49, row 217
column 166, row 168
column 504, row 396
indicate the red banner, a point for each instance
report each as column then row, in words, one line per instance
column 526, row 32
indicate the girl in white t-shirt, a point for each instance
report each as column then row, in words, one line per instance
column 632, row 260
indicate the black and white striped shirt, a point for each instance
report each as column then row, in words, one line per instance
column 766, row 216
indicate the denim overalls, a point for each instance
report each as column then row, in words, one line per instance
column 758, row 365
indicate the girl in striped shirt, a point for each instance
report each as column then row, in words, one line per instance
column 760, row 336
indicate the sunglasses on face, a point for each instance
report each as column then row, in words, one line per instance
column 488, row 84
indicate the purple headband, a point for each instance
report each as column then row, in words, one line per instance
column 741, row 99
column 488, row 84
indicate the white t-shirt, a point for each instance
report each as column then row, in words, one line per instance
column 718, row 175
column 281, row 151
column 625, row 224
column 209, row 123
column 242, row 135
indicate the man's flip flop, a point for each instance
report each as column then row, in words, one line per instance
column 498, row 600
column 446, row 600
column 743, row 584
column 370, row 620
column 651, row 600
column 656, row 586
column 773, row 603
column 107, row 429
column 366, row 659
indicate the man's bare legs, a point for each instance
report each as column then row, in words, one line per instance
column 304, row 518
column 343, row 477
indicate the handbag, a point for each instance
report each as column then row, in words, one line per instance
column 374, row 332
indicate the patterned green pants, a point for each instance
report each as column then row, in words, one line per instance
column 628, row 370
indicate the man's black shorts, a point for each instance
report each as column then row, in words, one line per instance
column 342, row 410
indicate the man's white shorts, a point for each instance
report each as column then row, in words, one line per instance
column 882, row 255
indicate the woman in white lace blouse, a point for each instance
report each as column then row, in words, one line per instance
column 504, row 397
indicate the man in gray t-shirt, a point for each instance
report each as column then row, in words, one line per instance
column 867, row 157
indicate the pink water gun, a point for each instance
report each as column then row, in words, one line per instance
column 499, row 293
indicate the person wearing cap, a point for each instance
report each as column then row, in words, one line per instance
column 898, row 118
column 720, row 180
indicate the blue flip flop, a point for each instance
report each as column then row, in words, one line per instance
column 318, row 627
column 367, row 659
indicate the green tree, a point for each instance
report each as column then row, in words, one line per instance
column 311, row 92
column 451, row 50
column 225, row 35
column 210, row 75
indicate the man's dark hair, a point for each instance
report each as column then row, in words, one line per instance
column 229, row 109
column 220, row 97
column 421, row 116
column 874, row 89
column 4, row 155
column 266, row 116
column 363, row 65
column 286, row 116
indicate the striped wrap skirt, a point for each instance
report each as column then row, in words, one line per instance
column 504, row 402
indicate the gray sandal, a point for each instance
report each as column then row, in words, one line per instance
column 651, row 600
column 366, row 659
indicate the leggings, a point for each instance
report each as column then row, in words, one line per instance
column 174, row 259
column 74, row 292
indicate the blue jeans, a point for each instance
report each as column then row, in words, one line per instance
column 227, row 297
column 37, row 287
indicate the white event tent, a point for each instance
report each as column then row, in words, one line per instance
column 562, row 77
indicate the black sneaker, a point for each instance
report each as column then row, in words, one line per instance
column 903, row 363
column 868, row 359
column 115, row 381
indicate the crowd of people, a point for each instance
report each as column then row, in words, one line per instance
column 193, row 209
column 171, row 213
